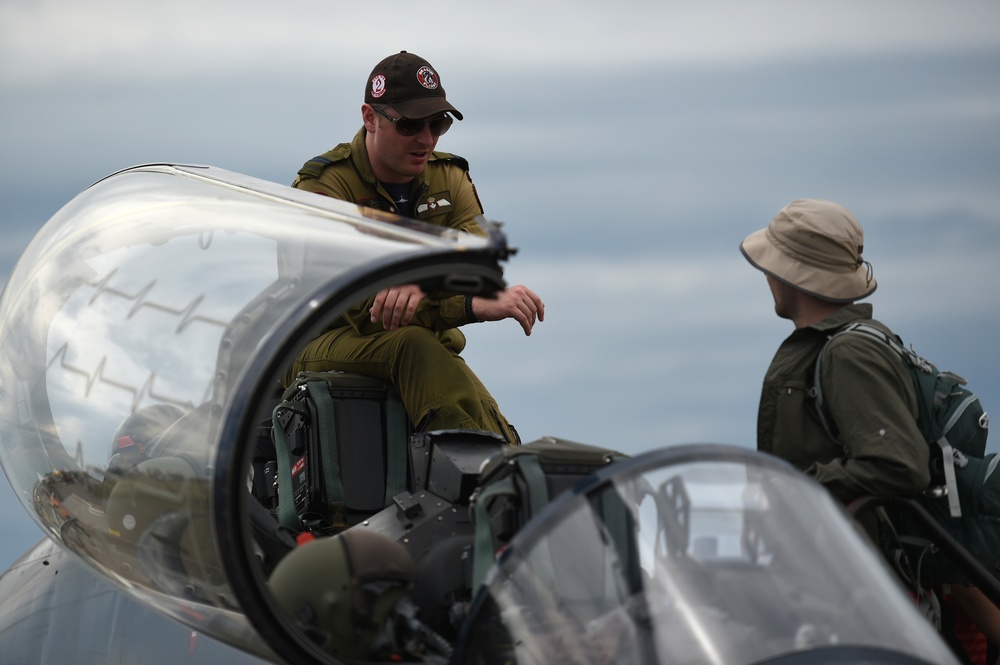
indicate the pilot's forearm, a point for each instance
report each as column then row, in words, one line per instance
column 437, row 314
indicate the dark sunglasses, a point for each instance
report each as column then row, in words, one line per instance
column 411, row 127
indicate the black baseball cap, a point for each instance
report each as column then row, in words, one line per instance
column 409, row 84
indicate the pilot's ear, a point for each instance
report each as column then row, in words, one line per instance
column 368, row 117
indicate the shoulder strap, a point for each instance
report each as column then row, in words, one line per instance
column 287, row 515
column 534, row 477
column 396, row 449
column 460, row 162
column 320, row 394
column 816, row 391
column 913, row 361
column 530, row 467
column 314, row 167
column 483, row 554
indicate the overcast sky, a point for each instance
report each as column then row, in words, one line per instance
column 628, row 148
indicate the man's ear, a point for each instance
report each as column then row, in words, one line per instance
column 368, row 117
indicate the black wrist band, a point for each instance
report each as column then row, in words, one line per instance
column 469, row 314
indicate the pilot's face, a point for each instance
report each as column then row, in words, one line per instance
column 396, row 158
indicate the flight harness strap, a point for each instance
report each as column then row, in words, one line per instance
column 483, row 545
column 396, row 450
column 538, row 496
column 538, row 491
column 327, row 434
column 287, row 515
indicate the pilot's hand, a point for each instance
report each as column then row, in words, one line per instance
column 396, row 305
column 517, row 302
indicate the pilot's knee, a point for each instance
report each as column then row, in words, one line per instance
column 415, row 345
column 416, row 335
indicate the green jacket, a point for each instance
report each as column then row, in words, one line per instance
column 871, row 399
column 444, row 194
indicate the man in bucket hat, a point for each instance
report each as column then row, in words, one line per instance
column 811, row 256
column 403, row 334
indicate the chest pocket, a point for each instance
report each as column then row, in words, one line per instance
column 795, row 431
column 791, row 398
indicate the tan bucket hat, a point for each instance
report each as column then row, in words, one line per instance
column 814, row 246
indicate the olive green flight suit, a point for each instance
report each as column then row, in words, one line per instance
column 422, row 359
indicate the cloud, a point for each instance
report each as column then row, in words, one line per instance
column 110, row 39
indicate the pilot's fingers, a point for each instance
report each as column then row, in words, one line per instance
column 384, row 306
column 539, row 305
column 407, row 300
column 391, row 316
column 521, row 312
column 525, row 320
column 524, row 311
column 530, row 307
column 517, row 302
column 379, row 305
column 527, row 294
column 397, row 305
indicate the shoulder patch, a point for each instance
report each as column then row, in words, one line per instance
column 314, row 167
column 460, row 162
